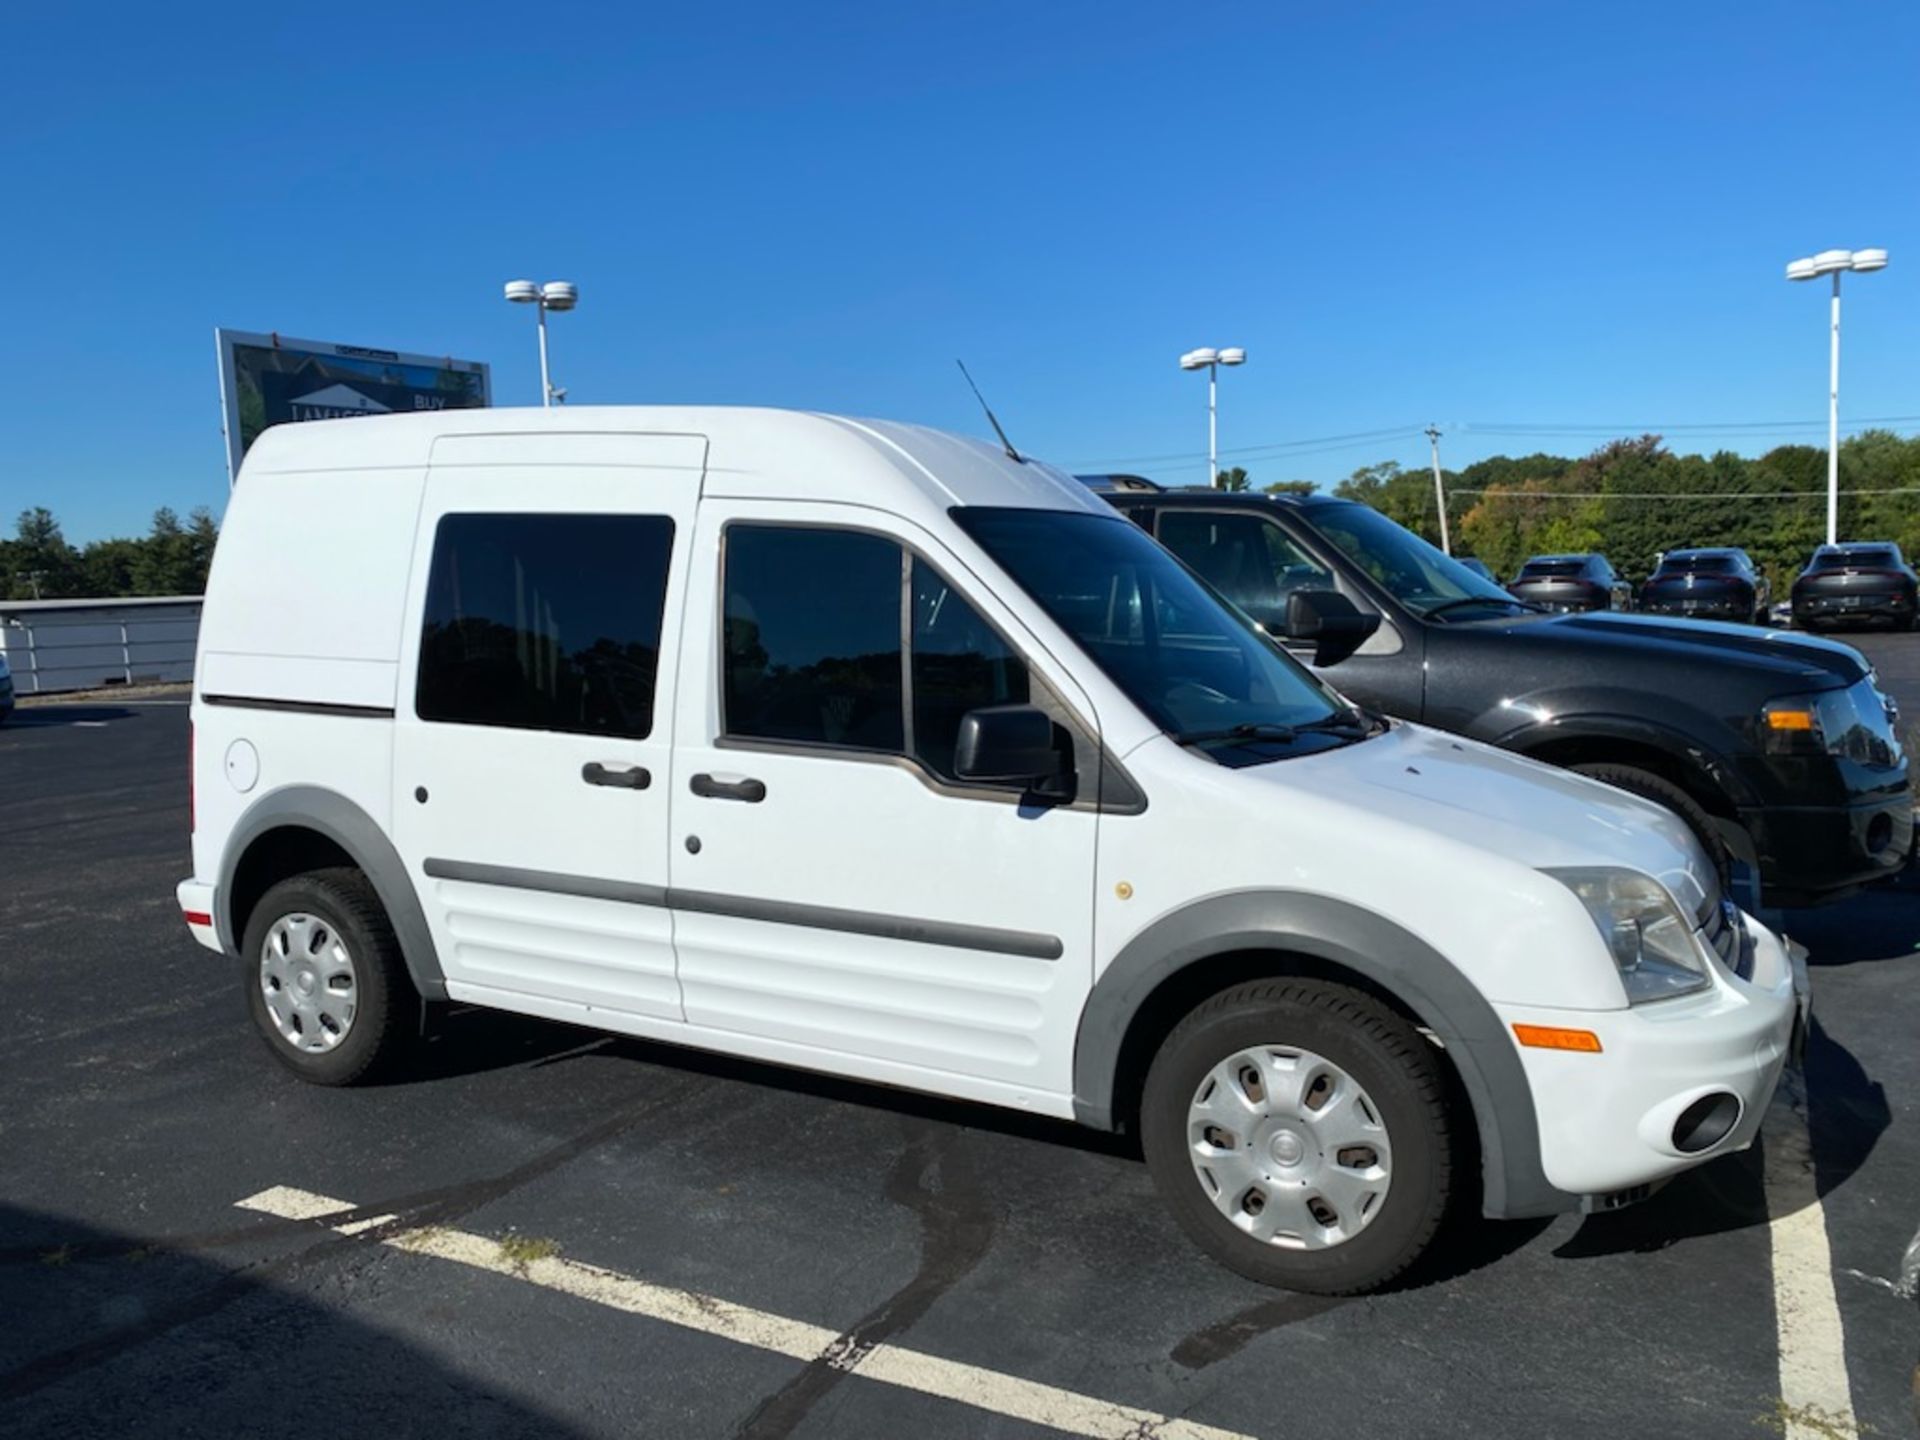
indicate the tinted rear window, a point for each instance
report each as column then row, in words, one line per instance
column 1551, row 569
column 1877, row 559
column 545, row 622
column 1698, row 565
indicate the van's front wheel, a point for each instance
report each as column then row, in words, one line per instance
column 1299, row 1133
column 324, row 977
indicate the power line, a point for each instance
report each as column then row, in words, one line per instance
column 1820, row 494
column 1326, row 444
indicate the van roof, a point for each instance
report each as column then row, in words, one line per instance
column 751, row 453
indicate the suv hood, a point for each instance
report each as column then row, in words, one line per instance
column 1517, row 809
column 1804, row 661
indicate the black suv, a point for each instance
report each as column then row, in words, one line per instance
column 1572, row 582
column 1720, row 584
column 1778, row 749
column 1850, row 583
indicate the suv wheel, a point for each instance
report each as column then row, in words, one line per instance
column 324, row 975
column 1662, row 791
column 1299, row 1133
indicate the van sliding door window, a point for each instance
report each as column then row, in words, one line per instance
column 545, row 622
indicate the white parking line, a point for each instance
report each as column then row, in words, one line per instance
column 971, row 1385
column 1816, row 1400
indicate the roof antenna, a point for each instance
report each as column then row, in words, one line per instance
column 1005, row 444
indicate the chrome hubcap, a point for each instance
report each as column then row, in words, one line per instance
column 1289, row 1147
column 308, row 981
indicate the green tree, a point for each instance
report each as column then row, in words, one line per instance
column 1234, row 479
column 40, row 563
column 1290, row 487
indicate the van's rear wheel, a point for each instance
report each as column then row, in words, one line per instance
column 324, row 977
column 1299, row 1133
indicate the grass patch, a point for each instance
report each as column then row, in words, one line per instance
column 520, row 1251
column 1785, row 1419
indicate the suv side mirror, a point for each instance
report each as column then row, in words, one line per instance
column 1012, row 745
column 1333, row 622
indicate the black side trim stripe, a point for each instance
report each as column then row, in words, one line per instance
column 1031, row 944
column 300, row 707
column 514, row 878
column 1027, row 943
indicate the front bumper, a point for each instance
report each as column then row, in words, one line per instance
column 1817, row 852
column 1608, row 1121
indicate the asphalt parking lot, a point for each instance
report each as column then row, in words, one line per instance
column 576, row 1235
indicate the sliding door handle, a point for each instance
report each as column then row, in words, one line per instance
column 751, row 791
column 634, row 777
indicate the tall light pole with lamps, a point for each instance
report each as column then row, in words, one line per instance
column 1835, row 263
column 554, row 295
column 1209, row 359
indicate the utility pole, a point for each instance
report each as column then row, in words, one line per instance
column 1439, row 489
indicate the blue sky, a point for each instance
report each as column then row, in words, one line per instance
column 1473, row 214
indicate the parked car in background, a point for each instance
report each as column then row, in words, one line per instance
column 1478, row 567
column 1779, row 750
column 1856, row 584
column 1566, row 583
column 1707, row 584
column 872, row 750
column 6, row 690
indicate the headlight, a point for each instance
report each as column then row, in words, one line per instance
column 1651, row 942
column 1858, row 724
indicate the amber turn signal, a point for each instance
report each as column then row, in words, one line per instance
column 1552, row 1037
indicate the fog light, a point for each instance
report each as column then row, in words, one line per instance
column 1705, row 1123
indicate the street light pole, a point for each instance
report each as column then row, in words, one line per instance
column 1211, row 359
column 1439, row 489
column 554, row 295
column 1835, row 263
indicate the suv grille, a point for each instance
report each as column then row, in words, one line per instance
column 1725, row 932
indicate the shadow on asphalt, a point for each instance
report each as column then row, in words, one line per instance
column 112, row 1336
column 52, row 717
column 465, row 1040
column 1882, row 923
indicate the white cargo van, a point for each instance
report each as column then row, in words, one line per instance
column 870, row 749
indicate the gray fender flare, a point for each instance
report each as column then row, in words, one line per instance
column 1386, row 955
column 328, row 813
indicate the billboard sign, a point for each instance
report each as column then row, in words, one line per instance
column 273, row 380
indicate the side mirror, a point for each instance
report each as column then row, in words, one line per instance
column 1012, row 745
column 1333, row 622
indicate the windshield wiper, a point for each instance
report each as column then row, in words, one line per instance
column 1428, row 614
column 1351, row 721
column 1250, row 731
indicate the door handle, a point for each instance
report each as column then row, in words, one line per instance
column 751, row 791
column 634, row 777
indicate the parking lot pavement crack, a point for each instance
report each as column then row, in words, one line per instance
column 934, row 1178
column 1226, row 1338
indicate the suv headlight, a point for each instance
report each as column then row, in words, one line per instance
column 1651, row 941
column 1859, row 723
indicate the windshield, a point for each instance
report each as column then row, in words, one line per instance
column 1416, row 574
column 1551, row 569
column 1193, row 663
column 1697, row 565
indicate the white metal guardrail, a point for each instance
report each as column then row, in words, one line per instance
column 85, row 644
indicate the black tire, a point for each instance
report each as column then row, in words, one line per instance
column 1392, row 1063
column 342, row 901
column 1662, row 791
